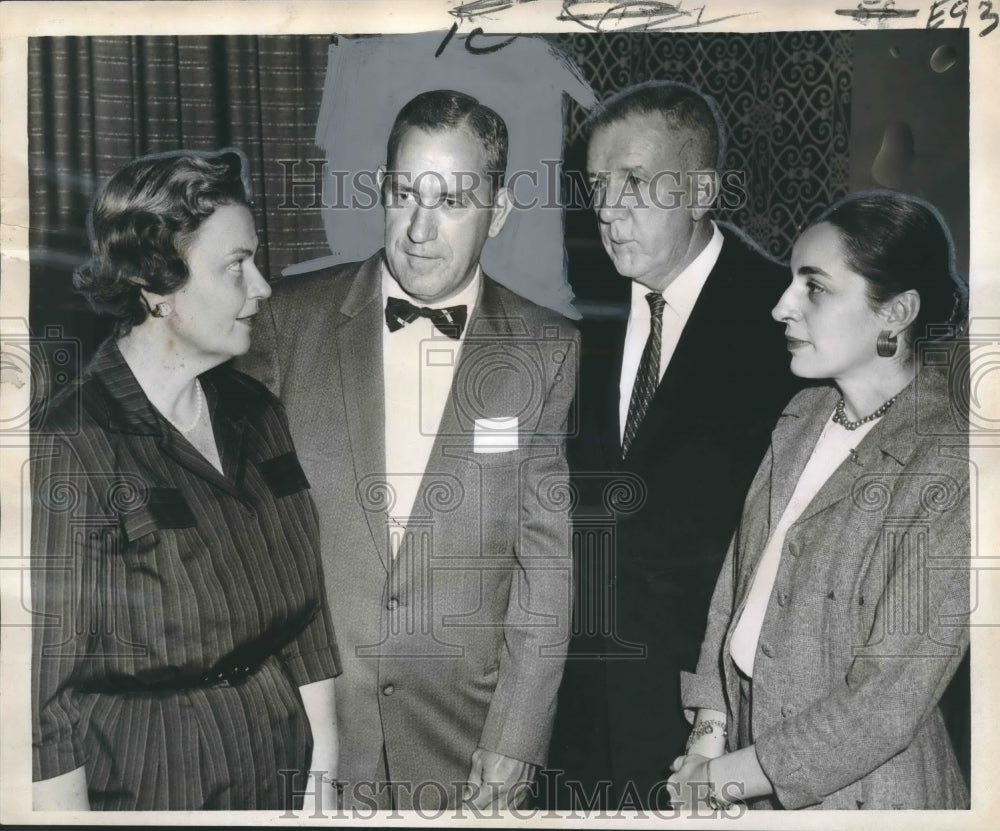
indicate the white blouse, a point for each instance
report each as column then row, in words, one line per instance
column 832, row 448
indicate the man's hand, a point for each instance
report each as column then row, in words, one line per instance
column 497, row 780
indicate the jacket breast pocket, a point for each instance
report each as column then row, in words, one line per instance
column 165, row 509
column 283, row 474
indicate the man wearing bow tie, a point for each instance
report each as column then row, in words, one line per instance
column 429, row 407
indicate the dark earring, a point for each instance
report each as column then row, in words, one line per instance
column 886, row 344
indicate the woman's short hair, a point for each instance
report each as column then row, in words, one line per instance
column 899, row 243
column 142, row 222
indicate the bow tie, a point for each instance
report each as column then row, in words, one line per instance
column 449, row 321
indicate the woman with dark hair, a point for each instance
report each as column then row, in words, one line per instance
column 840, row 614
column 183, row 657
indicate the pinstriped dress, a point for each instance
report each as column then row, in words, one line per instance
column 152, row 575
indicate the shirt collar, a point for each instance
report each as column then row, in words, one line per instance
column 467, row 296
column 683, row 291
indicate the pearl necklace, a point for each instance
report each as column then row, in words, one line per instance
column 840, row 416
column 197, row 416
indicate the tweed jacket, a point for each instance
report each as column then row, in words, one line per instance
column 867, row 619
column 458, row 641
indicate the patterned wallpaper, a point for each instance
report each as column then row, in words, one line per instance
column 786, row 99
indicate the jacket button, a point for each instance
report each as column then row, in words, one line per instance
column 782, row 598
column 392, row 605
column 793, row 549
column 787, row 710
column 766, row 651
column 388, row 689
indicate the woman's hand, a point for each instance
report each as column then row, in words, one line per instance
column 717, row 782
column 321, row 789
column 689, row 781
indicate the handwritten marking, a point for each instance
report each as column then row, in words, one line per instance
column 867, row 10
column 477, row 8
column 959, row 10
column 962, row 9
column 986, row 13
column 604, row 16
column 485, row 50
column 658, row 15
column 447, row 40
column 469, row 42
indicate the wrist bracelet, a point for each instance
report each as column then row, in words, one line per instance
column 705, row 727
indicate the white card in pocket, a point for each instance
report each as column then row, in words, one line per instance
column 495, row 435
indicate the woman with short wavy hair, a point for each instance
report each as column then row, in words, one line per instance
column 183, row 655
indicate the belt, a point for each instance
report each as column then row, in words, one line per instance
column 169, row 680
column 229, row 677
column 232, row 670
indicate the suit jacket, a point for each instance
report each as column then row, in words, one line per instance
column 460, row 640
column 651, row 530
column 867, row 621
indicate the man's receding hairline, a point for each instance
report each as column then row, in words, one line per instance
column 692, row 137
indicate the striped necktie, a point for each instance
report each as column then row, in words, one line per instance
column 648, row 376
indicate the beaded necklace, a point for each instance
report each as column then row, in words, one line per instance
column 197, row 416
column 840, row 416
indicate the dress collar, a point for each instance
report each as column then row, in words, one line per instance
column 113, row 396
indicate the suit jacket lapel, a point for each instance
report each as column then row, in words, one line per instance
column 883, row 452
column 610, row 421
column 792, row 442
column 887, row 447
column 359, row 350
column 453, row 443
